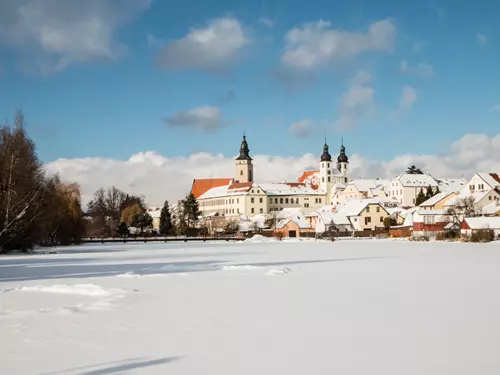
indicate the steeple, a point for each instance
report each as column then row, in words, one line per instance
column 342, row 158
column 244, row 150
column 326, row 155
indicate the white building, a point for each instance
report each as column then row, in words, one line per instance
column 406, row 187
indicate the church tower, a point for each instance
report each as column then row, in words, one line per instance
column 244, row 166
column 325, row 170
column 343, row 163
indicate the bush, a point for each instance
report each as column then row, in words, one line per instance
column 482, row 236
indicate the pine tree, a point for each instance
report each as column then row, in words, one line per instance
column 429, row 193
column 420, row 197
column 437, row 191
column 142, row 220
column 166, row 226
column 123, row 229
column 191, row 210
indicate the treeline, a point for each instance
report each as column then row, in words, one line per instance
column 112, row 212
column 35, row 208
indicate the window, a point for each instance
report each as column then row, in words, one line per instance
column 306, row 204
column 252, row 200
column 252, row 210
column 237, row 200
column 367, row 208
column 378, row 209
column 276, row 200
column 328, row 165
column 253, row 191
column 261, row 200
column 429, row 220
column 319, row 200
column 489, row 198
column 297, row 201
column 368, row 220
column 329, row 179
column 381, row 219
column 322, row 179
column 261, row 210
column 238, row 210
column 315, row 200
column 286, row 200
column 241, row 172
column 270, row 200
column 281, row 200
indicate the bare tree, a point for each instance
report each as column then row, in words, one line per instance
column 462, row 208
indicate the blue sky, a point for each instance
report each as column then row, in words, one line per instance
column 424, row 78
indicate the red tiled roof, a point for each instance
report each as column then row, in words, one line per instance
column 202, row 185
column 240, row 185
column 495, row 177
column 306, row 175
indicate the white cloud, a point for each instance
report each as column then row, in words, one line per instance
column 266, row 22
column 408, row 98
column 419, row 46
column 159, row 177
column 206, row 119
column 422, row 69
column 495, row 108
column 212, row 48
column 51, row 35
column 357, row 103
column 301, row 129
column 481, row 39
column 315, row 44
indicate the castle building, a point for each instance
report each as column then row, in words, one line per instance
column 241, row 195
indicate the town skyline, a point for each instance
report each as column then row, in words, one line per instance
column 120, row 90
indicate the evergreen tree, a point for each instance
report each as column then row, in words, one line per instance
column 191, row 210
column 166, row 226
column 437, row 191
column 429, row 193
column 142, row 221
column 420, row 197
column 123, row 229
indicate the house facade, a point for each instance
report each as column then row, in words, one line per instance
column 406, row 187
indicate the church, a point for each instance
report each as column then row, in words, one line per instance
column 241, row 195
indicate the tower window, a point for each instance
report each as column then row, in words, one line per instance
column 328, row 165
column 241, row 173
column 322, row 179
column 329, row 179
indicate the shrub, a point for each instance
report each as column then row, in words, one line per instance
column 482, row 236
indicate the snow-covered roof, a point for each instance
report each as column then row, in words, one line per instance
column 491, row 209
column 477, row 195
column 299, row 220
column 155, row 214
column 416, row 180
column 491, row 179
column 365, row 185
column 451, row 185
column 435, row 199
column 338, row 186
column 353, row 207
column 431, row 212
column 290, row 189
column 335, row 217
column 483, row 222
column 286, row 212
column 228, row 190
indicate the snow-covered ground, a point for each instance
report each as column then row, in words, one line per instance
column 347, row 307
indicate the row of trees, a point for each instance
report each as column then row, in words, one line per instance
column 34, row 208
column 429, row 193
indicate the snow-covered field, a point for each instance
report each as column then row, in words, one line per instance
column 347, row 307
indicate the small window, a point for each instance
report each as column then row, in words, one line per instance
column 281, row 200
column 286, row 200
column 367, row 208
column 306, row 204
column 328, row 165
column 241, row 173
column 276, row 200
column 237, row 200
column 381, row 219
column 261, row 210
column 238, row 210
column 270, row 200
column 378, row 209
column 319, row 200
column 315, row 200
column 261, row 200
column 252, row 200
column 489, row 198
column 368, row 220
column 322, row 179
column 253, row 191
column 329, row 179
column 252, row 210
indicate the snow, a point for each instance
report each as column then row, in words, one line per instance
column 269, row 307
column 483, row 222
column 286, row 189
column 488, row 178
column 451, row 185
column 435, row 199
column 416, row 180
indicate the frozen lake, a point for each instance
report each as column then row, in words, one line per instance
column 347, row 307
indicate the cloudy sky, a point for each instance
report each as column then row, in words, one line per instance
column 146, row 95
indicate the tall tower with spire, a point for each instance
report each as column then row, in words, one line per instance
column 244, row 166
column 325, row 170
column 343, row 162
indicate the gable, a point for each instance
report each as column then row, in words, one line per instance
column 202, row 185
